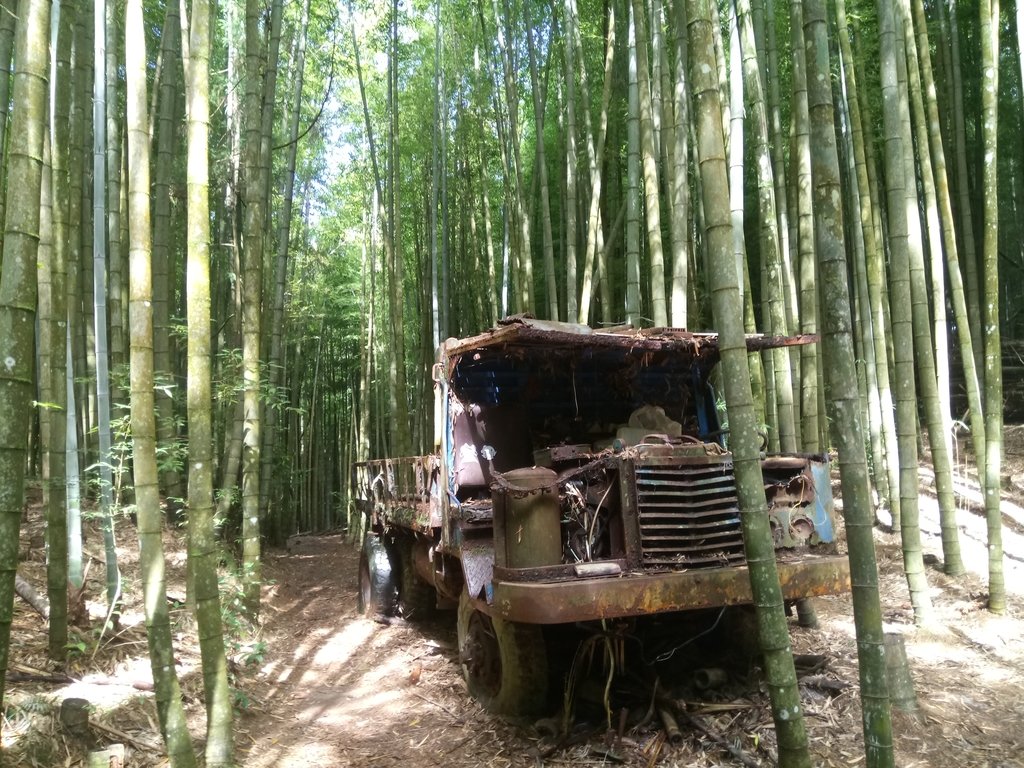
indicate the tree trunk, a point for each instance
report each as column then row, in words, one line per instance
column 963, row 186
column 649, row 153
column 73, row 248
column 76, row 225
column 595, row 158
column 736, row 128
column 542, row 169
column 768, row 222
column 202, row 544
column 435, row 182
column 864, row 330
column 932, row 376
column 44, row 372
column 887, row 464
column 396, row 280
column 844, row 400
column 680, row 191
column 524, row 275
column 99, row 295
column 8, row 18
column 801, row 178
column 57, row 575
column 902, row 331
column 252, row 299
column 276, row 361
column 744, row 441
column 571, row 234
column 494, row 298
column 965, row 333
column 115, row 253
column 170, row 710
column 18, row 289
column 777, row 145
column 633, row 183
column 166, row 136
column 993, row 345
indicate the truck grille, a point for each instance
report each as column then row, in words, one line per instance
column 689, row 514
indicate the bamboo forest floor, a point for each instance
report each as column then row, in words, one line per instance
column 323, row 686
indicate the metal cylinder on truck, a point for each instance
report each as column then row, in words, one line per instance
column 532, row 518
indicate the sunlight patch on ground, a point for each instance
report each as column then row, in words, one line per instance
column 321, row 650
column 306, row 753
column 342, row 645
column 381, row 674
column 332, row 707
column 332, row 697
column 973, row 532
column 130, row 678
column 843, row 625
column 938, row 652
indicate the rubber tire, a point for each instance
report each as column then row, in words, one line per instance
column 378, row 592
column 417, row 599
column 510, row 677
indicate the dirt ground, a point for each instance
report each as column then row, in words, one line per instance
column 324, row 686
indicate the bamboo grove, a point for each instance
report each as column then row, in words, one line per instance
column 234, row 236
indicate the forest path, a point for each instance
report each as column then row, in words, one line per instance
column 339, row 689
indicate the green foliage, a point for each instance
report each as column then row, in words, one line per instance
column 76, row 647
column 240, row 700
column 28, row 730
column 32, row 704
column 243, row 640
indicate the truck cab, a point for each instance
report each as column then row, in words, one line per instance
column 580, row 476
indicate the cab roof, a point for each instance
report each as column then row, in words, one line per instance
column 525, row 358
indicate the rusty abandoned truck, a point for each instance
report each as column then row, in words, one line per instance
column 581, row 476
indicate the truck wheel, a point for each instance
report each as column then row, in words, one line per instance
column 377, row 591
column 504, row 662
column 416, row 598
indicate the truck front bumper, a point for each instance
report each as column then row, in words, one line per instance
column 641, row 594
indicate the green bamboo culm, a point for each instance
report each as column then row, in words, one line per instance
column 993, row 344
column 842, row 397
column 728, row 316
column 18, row 289
column 897, row 144
column 170, row 708
column 202, row 542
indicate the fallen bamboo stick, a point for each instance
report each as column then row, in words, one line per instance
column 27, row 593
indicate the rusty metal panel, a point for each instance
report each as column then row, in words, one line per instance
column 688, row 513
column 823, row 510
column 630, row 526
column 477, row 564
column 638, row 594
column 519, row 330
column 799, row 499
column 416, row 517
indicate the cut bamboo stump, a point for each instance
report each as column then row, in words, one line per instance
column 806, row 613
column 897, row 672
column 74, row 716
column 709, row 677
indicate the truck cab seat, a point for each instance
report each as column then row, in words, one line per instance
column 504, row 427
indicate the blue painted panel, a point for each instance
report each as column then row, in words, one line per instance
column 823, row 506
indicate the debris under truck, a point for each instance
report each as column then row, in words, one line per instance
column 581, row 475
